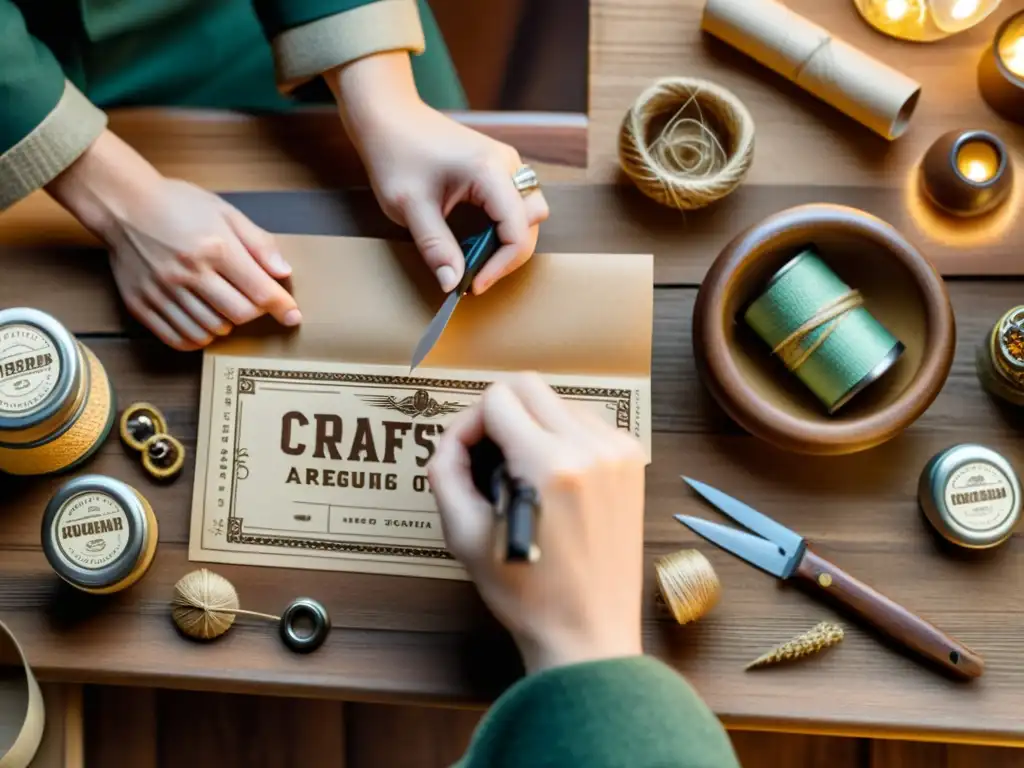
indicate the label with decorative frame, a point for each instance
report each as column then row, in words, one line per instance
column 323, row 465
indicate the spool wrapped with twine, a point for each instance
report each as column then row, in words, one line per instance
column 687, row 584
column 686, row 142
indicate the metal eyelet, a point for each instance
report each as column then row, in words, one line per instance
column 139, row 422
column 163, row 456
column 305, row 608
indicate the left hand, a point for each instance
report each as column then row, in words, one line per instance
column 422, row 163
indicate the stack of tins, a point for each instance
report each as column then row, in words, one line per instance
column 56, row 404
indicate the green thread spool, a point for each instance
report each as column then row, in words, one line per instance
column 816, row 324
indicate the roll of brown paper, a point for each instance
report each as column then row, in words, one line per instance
column 20, row 696
column 869, row 91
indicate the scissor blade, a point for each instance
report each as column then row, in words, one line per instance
column 755, row 550
column 435, row 329
column 748, row 517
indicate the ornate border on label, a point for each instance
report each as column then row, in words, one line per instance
column 619, row 399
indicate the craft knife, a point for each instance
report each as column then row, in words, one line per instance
column 515, row 502
column 785, row 554
column 478, row 251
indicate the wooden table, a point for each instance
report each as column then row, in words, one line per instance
column 426, row 640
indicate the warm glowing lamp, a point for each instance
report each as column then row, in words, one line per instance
column 924, row 20
column 967, row 173
column 1001, row 71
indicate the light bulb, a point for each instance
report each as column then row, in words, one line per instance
column 896, row 9
column 1013, row 56
column 963, row 9
column 978, row 171
column 977, row 161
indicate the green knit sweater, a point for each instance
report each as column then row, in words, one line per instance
column 621, row 713
column 62, row 62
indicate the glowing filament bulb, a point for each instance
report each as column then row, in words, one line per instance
column 977, row 161
column 896, row 9
column 963, row 9
column 978, row 171
column 1013, row 56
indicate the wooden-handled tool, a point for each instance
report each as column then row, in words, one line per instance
column 784, row 553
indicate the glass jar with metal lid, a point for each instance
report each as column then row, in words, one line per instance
column 1000, row 358
column 99, row 534
column 56, row 403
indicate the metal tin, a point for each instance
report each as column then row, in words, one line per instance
column 971, row 495
column 99, row 534
column 40, row 370
column 56, row 403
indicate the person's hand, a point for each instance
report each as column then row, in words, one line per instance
column 422, row 163
column 582, row 600
column 189, row 266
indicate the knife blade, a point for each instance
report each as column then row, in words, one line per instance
column 827, row 579
column 765, row 554
column 478, row 251
column 789, row 541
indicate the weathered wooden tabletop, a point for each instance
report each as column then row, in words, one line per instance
column 420, row 639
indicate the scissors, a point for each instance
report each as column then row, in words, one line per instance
column 478, row 251
column 785, row 554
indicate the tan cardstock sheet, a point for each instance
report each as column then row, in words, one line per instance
column 313, row 443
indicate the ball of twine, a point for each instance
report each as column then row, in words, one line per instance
column 688, row 584
column 686, row 142
column 205, row 605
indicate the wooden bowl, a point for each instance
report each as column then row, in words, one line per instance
column 900, row 288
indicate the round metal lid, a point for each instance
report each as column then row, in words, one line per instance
column 94, row 531
column 39, row 367
column 971, row 495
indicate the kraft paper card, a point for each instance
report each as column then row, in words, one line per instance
column 313, row 443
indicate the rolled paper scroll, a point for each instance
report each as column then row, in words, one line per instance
column 22, row 701
column 853, row 82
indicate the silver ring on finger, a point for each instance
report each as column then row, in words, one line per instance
column 525, row 180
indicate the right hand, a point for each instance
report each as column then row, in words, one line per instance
column 582, row 600
column 189, row 266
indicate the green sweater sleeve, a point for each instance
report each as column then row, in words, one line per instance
column 620, row 713
column 45, row 122
column 310, row 37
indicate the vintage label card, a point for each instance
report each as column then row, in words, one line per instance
column 320, row 465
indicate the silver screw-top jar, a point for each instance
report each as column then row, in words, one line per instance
column 99, row 534
column 971, row 495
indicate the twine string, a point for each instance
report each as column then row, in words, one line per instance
column 699, row 155
column 825, row 42
column 791, row 349
column 205, row 605
column 687, row 584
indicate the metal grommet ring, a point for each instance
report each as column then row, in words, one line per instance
column 163, row 456
column 525, row 180
column 312, row 611
column 139, row 422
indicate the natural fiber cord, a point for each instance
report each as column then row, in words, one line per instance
column 205, row 605
column 79, row 441
column 686, row 142
column 687, row 584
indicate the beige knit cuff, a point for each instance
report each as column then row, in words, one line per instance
column 52, row 146
column 307, row 51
